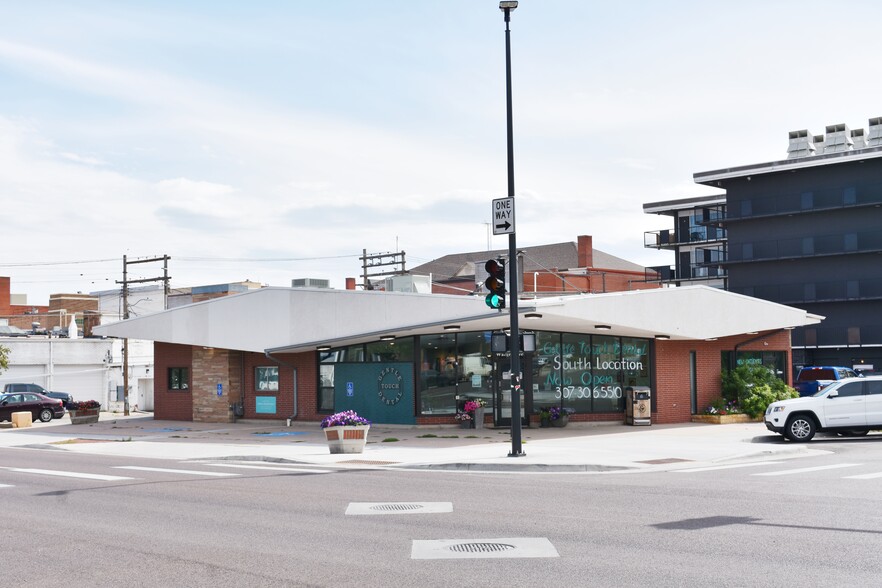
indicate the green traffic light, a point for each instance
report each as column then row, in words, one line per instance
column 495, row 301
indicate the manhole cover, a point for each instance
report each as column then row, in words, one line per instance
column 480, row 547
column 483, row 548
column 396, row 507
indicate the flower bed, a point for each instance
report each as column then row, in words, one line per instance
column 722, row 419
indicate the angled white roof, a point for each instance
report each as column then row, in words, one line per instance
column 300, row 319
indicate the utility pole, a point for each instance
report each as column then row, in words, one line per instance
column 125, row 300
column 515, row 347
column 380, row 260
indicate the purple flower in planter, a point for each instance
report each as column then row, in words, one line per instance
column 347, row 418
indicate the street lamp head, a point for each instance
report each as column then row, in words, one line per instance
column 508, row 5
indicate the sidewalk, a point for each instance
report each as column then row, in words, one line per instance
column 578, row 447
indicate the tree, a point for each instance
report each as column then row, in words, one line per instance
column 4, row 358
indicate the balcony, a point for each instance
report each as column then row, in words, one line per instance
column 695, row 272
column 670, row 240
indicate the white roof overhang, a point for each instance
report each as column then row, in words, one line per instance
column 280, row 320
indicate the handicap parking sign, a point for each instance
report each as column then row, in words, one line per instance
column 350, row 389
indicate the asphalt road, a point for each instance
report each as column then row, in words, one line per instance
column 155, row 522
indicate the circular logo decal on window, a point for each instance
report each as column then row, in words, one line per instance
column 389, row 387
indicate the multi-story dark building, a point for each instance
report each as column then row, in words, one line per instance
column 806, row 232
column 698, row 241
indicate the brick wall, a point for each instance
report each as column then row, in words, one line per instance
column 672, row 402
column 236, row 370
column 175, row 405
column 307, row 385
column 73, row 303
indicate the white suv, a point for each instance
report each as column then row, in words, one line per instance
column 852, row 406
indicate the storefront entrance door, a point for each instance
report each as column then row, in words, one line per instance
column 502, row 409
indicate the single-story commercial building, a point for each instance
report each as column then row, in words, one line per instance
column 280, row 353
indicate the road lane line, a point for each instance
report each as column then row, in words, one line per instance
column 64, row 474
column 804, row 470
column 725, row 467
column 864, row 476
column 174, row 471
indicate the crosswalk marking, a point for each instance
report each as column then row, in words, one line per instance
column 175, row 471
column 804, row 470
column 6, row 486
column 726, row 467
column 864, row 476
column 64, row 474
column 274, row 468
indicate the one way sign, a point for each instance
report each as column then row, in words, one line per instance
column 503, row 216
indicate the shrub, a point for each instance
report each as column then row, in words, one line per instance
column 754, row 387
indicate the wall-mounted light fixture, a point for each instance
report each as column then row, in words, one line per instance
column 533, row 315
column 602, row 327
column 323, row 348
column 663, row 337
column 387, row 338
column 451, row 327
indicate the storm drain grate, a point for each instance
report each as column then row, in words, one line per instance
column 506, row 547
column 397, row 507
column 480, row 547
column 387, row 508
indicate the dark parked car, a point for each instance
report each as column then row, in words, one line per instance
column 38, row 389
column 41, row 407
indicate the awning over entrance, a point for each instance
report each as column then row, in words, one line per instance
column 299, row 319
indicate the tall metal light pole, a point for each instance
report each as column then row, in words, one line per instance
column 514, row 336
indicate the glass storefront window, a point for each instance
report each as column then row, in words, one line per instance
column 607, row 388
column 438, row 374
column 575, row 362
column 475, row 367
column 774, row 360
column 395, row 350
column 546, row 371
column 635, row 362
column 585, row 373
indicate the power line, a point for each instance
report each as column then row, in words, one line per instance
column 181, row 258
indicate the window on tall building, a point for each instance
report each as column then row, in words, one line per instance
column 854, row 335
column 807, row 200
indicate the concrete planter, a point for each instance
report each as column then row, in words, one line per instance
column 561, row 421
column 347, row 439
column 83, row 417
column 479, row 418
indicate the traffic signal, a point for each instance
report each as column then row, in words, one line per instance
column 495, row 283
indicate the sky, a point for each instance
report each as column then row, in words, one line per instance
column 273, row 140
